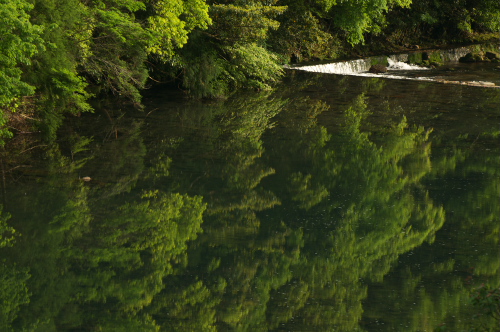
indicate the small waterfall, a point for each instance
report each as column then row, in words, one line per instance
column 399, row 57
column 361, row 66
column 340, row 68
column 395, row 61
column 402, row 66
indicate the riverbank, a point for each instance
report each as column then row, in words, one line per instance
column 24, row 119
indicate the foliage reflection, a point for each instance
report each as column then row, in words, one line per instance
column 251, row 215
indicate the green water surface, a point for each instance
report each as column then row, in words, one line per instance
column 331, row 204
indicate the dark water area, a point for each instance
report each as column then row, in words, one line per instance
column 334, row 203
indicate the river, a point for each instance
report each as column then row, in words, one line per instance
column 333, row 203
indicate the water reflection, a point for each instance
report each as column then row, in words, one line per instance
column 348, row 204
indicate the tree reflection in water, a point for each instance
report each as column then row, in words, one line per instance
column 253, row 214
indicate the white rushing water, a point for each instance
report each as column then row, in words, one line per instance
column 398, row 68
column 399, row 65
column 351, row 67
column 360, row 67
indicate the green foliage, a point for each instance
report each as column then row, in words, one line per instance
column 172, row 22
column 309, row 27
column 118, row 51
column 242, row 66
column 245, row 21
column 127, row 323
column 356, row 18
column 204, row 73
column 91, row 250
column 13, row 294
column 20, row 41
column 442, row 20
column 188, row 308
column 302, row 34
column 59, row 86
column 148, row 237
column 253, row 66
column 232, row 53
column 305, row 195
column 485, row 16
column 6, row 232
column 68, row 51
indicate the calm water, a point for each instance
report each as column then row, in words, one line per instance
column 332, row 204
